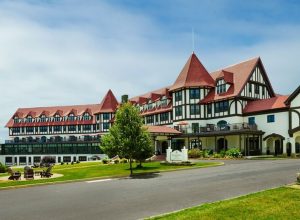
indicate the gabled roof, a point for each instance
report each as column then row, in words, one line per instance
column 143, row 98
column 153, row 129
column 109, row 103
column 240, row 74
column 292, row 96
column 193, row 74
column 277, row 102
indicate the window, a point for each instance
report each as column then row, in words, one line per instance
column 194, row 93
column 195, row 127
column 250, row 87
column 164, row 102
column 270, row 118
column 195, row 109
column 106, row 116
column 221, row 106
column 87, row 127
column 263, row 91
column 43, row 129
column 56, row 118
column 15, row 130
column 29, row 129
column 178, row 96
column 98, row 117
column 209, row 109
column 164, row 116
column 178, row 111
column 256, row 89
column 149, row 119
column 43, row 118
column 29, row 119
column 251, row 120
column 86, row 117
column 71, row 128
column 57, row 128
column 71, row 117
column 105, row 126
column 16, row 120
column 221, row 86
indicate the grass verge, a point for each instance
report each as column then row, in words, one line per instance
column 96, row 170
column 279, row 203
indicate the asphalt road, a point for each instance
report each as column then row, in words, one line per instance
column 145, row 196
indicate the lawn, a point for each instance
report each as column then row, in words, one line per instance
column 280, row 203
column 94, row 170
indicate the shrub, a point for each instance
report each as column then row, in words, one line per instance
column 195, row 153
column 205, row 153
column 116, row 161
column 62, row 163
column 3, row 168
column 234, row 152
column 216, row 155
column 77, row 161
column 105, row 161
column 72, row 163
column 124, row 160
column 222, row 153
column 48, row 160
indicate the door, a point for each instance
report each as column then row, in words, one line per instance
column 288, row 149
column 222, row 144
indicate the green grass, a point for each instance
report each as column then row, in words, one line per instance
column 280, row 203
column 94, row 170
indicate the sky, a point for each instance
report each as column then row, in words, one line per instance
column 67, row 52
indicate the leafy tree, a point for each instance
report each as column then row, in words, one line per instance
column 127, row 137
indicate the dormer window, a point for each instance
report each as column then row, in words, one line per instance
column 16, row 120
column 164, row 101
column 150, row 105
column 221, row 86
column 71, row 117
column 29, row 119
column 56, row 118
column 43, row 118
column 86, row 117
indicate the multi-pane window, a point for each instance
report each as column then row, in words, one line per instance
column 195, row 109
column 71, row 117
column 106, row 116
column 105, row 126
column 43, row 129
column 29, row 129
column 16, row 130
column 178, row 111
column 221, row 106
column 251, row 120
column 16, row 120
column 164, row 102
column 86, row 117
column 164, row 116
column 250, row 87
column 29, row 119
column 256, row 89
column 221, row 86
column 178, row 96
column 149, row 119
column 43, row 118
column 209, row 109
column 195, row 127
column 56, row 118
column 87, row 127
column 71, row 128
column 194, row 93
column 57, row 128
column 270, row 118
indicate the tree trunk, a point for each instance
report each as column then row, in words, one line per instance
column 130, row 163
column 140, row 163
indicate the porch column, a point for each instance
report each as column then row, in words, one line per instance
column 293, row 143
column 170, row 142
column 155, row 146
column 284, row 142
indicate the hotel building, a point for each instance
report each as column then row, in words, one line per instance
column 234, row 107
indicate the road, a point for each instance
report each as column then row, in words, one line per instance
column 148, row 195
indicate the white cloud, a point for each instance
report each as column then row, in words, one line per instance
column 72, row 52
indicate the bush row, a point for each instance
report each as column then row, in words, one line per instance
column 231, row 153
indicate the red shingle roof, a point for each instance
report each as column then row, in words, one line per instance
column 108, row 104
column 266, row 104
column 151, row 95
column 238, row 74
column 162, row 129
column 193, row 74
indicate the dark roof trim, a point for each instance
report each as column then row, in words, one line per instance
column 292, row 96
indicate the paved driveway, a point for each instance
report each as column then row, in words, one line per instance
column 145, row 196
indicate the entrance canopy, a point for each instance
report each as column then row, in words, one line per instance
column 162, row 130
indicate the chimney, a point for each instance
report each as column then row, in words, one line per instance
column 124, row 98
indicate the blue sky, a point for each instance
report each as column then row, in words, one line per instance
column 71, row 52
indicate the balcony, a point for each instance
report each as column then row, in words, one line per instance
column 55, row 139
column 210, row 129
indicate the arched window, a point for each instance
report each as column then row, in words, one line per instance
column 222, row 124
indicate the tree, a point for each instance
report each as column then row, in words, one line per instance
column 127, row 137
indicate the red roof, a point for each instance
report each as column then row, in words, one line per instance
column 153, row 95
column 108, row 104
column 162, row 129
column 193, row 74
column 266, row 104
column 157, row 110
column 237, row 75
